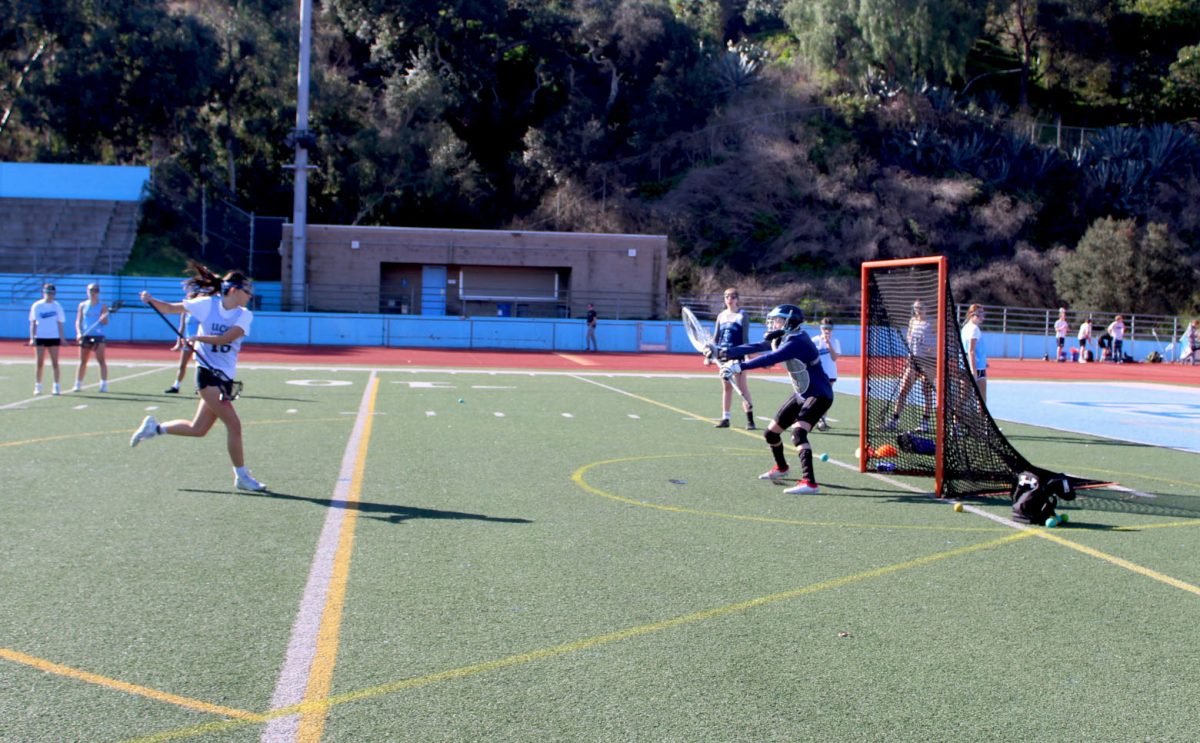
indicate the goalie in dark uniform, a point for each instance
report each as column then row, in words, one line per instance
column 786, row 342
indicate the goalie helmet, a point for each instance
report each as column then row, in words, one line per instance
column 791, row 315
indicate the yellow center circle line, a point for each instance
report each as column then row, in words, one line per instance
column 579, row 477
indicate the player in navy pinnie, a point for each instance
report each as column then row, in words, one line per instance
column 786, row 342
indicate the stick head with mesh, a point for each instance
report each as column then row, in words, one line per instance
column 698, row 335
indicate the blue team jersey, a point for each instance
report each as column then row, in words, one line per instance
column 799, row 356
column 91, row 318
column 730, row 330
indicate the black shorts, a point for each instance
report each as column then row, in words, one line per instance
column 47, row 342
column 807, row 409
column 91, row 341
column 206, row 377
column 1061, row 341
column 981, row 374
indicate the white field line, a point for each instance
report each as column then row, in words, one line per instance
column 294, row 676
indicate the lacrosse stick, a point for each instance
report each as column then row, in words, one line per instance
column 1162, row 349
column 111, row 309
column 231, row 389
column 702, row 341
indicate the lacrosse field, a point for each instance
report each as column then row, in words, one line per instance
column 576, row 554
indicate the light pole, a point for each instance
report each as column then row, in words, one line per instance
column 301, row 140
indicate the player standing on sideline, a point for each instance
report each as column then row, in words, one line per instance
column 1061, row 328
column 1116, row 329
column 731, row 330
column 91, row 317
column 1085, row 335
column 188, row 327
column 46, row 321
column 972, row 340
column 591, row 328
column 224, row 322
column 921, row 359
column 829, row 348
column 811, row 397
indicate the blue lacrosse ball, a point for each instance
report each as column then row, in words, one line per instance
column 1051, row 522
column 460, row 401
column 824, row 457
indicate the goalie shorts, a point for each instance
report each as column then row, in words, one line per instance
column 807, row 409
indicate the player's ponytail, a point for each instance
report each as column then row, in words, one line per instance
column 203, row 280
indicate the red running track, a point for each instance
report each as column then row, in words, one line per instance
column 373, row 356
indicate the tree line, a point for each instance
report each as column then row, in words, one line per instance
column 777, row 142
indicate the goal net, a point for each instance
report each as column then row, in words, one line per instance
column 921, row 411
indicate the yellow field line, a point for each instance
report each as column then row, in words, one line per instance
column 320, row 679
column 587, row 643
column 111, row 683
column 127, row 431
column 578, row 478
column 1119, row 562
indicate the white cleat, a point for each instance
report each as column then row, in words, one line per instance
column 37, row 389
column 148, row 430
column 802, row 488
column 57, row 389
column 104, row 385
column 247, row 482
column 77, row 387
column 774, row 474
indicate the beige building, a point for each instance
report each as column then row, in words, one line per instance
column 481, row 272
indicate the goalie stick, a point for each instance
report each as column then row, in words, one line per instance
column 702, row 341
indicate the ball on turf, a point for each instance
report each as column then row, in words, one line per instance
column 460, row 401
column 824, row 457
column 1051, row 522
column 958, row 508
column 857, row 453
column 1063, row 518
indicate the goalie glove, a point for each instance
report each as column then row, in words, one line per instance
column 729, row 371
column 709, row 351
column 772, row 335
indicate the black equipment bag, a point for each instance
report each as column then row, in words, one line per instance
column 1035, row 498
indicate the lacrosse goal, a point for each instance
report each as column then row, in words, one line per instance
column 921, row 412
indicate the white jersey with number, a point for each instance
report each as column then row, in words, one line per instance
column 47, row 316
column 215, row 320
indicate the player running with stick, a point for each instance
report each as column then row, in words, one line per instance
column 224, row 322
column 812, row 394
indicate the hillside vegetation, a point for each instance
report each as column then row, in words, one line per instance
column 1049, row 148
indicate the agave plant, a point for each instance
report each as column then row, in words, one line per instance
column 1167, row 151
column 740, row 65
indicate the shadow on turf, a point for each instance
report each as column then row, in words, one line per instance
column 379, row 511
column 1168, row 506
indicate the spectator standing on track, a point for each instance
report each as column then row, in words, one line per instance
column 829, row 348
column 46, row 321
column 591, row 328
column 1116, row 329
column 732, row 329
column 1189, row 343
column 1061, row 328
column 972, row 340
column 1085, row 335
column 90, row 318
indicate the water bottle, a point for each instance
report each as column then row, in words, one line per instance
column 885, row 467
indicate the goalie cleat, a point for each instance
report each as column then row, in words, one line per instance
column 774, row 474
column 148, row 430
column 723, row 423
column 802, row 488
column 822, row 425
column 247, row 482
